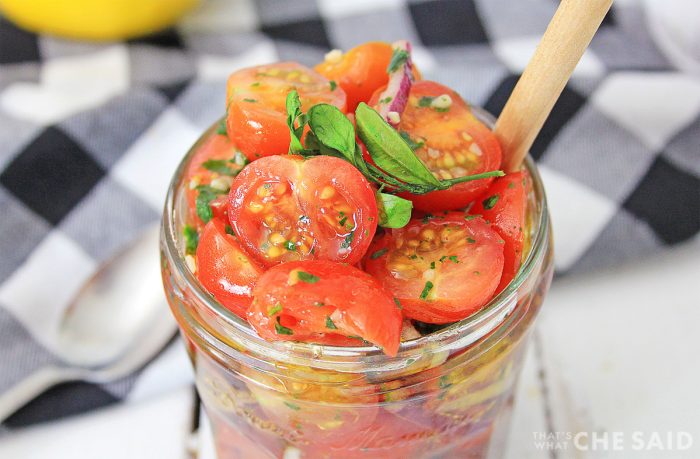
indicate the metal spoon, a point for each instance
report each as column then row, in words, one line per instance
column 117, row 322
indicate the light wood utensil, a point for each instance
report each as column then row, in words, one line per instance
column 563, row 43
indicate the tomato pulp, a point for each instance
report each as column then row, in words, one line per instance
column 286, row 208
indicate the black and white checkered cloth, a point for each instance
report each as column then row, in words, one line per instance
column 91, row 133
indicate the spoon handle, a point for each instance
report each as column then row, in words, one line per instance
column 563, row 43
column 31, row 386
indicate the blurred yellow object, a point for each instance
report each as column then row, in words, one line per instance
column 95, row 19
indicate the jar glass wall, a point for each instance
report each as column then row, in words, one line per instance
column 447, row 394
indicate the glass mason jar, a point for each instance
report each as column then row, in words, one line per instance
column 445, row 395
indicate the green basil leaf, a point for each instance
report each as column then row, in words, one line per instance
column 394, row 212
column 388, row 150
column 333, row 129
column 295, row 114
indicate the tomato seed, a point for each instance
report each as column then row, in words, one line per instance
column 327, row 192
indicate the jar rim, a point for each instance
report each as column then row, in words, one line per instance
column 456, row 335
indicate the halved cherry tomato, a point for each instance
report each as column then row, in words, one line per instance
column 297, row 299
column 216, row 150
column 504, row 205
column 442, row 269
column 452, row 143
column 255, row 104
column 360, row 71
column 286, row 208
column 225, row 269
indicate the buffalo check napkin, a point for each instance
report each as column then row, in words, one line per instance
column 91, row 133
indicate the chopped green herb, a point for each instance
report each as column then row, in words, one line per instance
column 319, row 304
column 221, row 129
column 229, row 230
column 398, row 58
column 444, row 382
column 191, row 239
column 274, row 309
column 343, row 219
column 471, row 240
column 443, row 258
column 511, row 185
column 398, row 303
column 471, row 217
column 489, row 202
column 255, row 85
column 425, row 101
column 427, row 217
column 206, row 195
column 330, row 324
column 432, row 265
column 453, row 258
column 426, row 290
column 378, row 253
column 386, row 100
column 281, row 329
column 348, row 240
column 413, row 257
column 289, row 245
column 333, row 85
column 240, row 159
column 441, row 109
column 414, row 144
column 252, row 101
column 477, row 273
column 307, row 277
column 219, row 166
column 292, row 405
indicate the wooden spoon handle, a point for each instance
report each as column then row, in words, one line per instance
column 562, row 45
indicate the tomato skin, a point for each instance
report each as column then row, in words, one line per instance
column 361, row 71
column 507, row 217
column 256, row 118
column 463, row 259
column 459, row 141
column 347, row 298
column 302, row 212
column 225, row 269
column 217, row 147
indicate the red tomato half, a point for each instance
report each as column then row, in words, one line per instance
column 256, row 99
column 442, row 269
column 504, row 205
column 286, row 208
column 453, row 143
column 297, row 300
column 360, row 71
column 217, row 150
column 224, row 268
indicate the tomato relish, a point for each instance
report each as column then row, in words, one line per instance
column 278, row 187
column 355, row 204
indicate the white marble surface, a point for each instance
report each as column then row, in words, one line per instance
column 616, row 354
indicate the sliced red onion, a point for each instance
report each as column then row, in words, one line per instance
column 394, row 98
